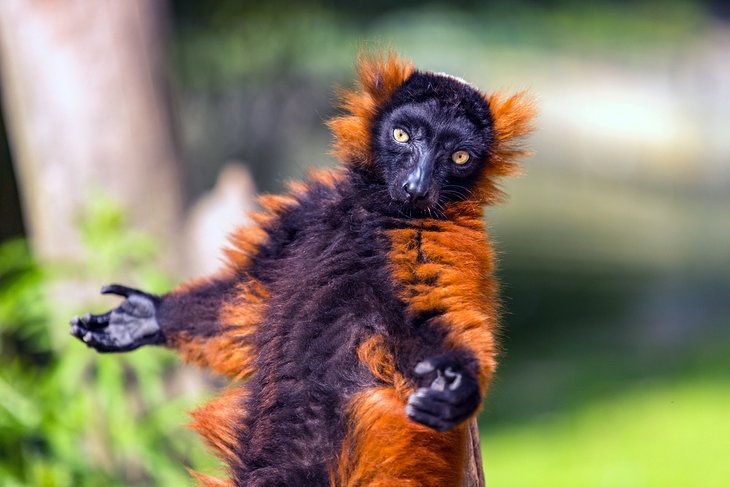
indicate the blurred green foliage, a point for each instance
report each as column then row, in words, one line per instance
column 71, row 417
column 236, row 42
column 657, row 435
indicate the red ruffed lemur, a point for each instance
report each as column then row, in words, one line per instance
column 358, row 315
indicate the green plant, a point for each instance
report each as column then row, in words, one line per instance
column 70, row 417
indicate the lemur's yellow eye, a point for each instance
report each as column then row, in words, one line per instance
column 460, row 157
column 401, row 135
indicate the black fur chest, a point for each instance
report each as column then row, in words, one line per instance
column 330, row 289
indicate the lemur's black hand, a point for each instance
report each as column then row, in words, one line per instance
column 451, row 398
column 124, row 328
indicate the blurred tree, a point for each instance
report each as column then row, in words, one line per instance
column 85, row 99
column 11, row 223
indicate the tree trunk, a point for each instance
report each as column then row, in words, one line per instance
column 84, row 94
column 474, row 472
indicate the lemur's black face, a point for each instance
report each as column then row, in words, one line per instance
column 431, row 140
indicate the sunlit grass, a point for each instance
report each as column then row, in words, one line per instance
column 660, row 435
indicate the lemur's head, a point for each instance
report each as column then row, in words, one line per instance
column 432, row 139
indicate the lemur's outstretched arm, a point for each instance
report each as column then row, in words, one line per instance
column 191, row 319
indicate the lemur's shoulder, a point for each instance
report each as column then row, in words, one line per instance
column 246, row 240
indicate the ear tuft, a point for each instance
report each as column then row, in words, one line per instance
column 379, row 75
column 513, row 120
column 513, row 117
column 382, row 73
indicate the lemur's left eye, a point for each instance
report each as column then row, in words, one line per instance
column 401, row 135
column 460, row 157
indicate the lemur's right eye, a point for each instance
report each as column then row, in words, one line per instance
column 401, row 135
column 460, row 157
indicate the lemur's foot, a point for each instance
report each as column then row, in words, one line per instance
column 451, row 398
column 124, row 328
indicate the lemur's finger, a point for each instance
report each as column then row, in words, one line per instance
column 112, row 341
column 447, row 398
column 95, row 322
column 436, row 404
column 428, row 419
column 77, row 329
column 119, row 290
column 99, row 341
column 454, row 379
column 126, row 291
column 423, row 402
column 91, row 321
column 430, row 364
column 466, row 393
column 425, row 367
column 447, row 418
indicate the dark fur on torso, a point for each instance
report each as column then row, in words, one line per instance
column 326, row 269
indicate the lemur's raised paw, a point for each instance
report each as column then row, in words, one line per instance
column 124, row 328
column 452, row 396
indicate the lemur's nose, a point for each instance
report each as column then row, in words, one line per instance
column 419, row 179
column 416, row 191
column 417, row 182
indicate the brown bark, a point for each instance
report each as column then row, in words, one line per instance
column 84, row 95
column 474, row 472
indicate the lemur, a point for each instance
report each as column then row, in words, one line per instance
column 357, row 316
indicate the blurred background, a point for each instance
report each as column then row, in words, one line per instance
column 134, row 134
